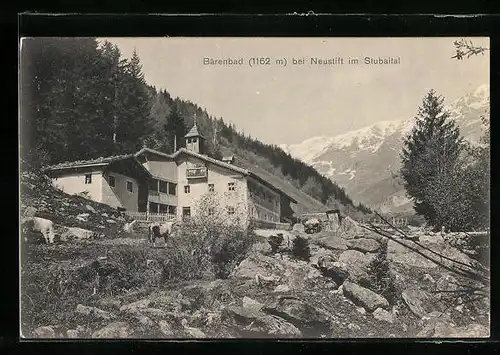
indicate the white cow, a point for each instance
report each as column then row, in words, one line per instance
column 41, row 225
column 160, row 230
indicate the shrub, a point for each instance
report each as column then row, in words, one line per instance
column 300, row 248
column 381, row 279
column 275, row 241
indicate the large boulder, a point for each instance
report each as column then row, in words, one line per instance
column 363, row 245
column 419, row 301
column 114, row 330
column 329, row 240
column 356, row 258
column 94, row 312
column 258, row 264
column 46, row 332
column 364, row 297
column 383, row 315
column 303, row 315
column 73, row 233
column 135, row 306
column 438, row 325
column 256, row 323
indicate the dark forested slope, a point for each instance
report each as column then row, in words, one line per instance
column 81, row 99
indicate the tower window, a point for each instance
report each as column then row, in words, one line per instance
column 230, row 210
column 111, row 181
column 88, row 178
column 231, row 186
column 130, row 186
column 187, row 189
column 194, row 140
column 211, row 188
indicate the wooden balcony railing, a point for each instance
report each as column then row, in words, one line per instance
column 196, row 173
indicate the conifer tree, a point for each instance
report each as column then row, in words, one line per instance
column 430, row 159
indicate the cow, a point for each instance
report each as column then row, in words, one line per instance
column 160, row 230
column 40, row 225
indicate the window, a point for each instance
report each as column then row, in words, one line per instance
column 130, row 186
column 230, row 210
column 153, row 207
column 231, row 186
column 172, row 210
column 163, row 208
column 163, row 186
column 187, row 189
column 194, row 140
column 189, row 140
column 211, row 211
column 186, row 212
column 211, row 188
column 172, row 188
column 111, row 181
column 88, row 178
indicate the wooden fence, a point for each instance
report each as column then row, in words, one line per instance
column 398, row 222
column 259, row 224
column 151, row 217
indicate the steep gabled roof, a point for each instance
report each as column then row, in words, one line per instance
column 210, row 160
column 98, row 162
column 153, row 151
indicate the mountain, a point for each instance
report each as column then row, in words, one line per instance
column 364, row 161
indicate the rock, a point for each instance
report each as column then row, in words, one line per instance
column 363, row 245
column 336, row 271
column 112, row 221
column 135, row 306
column 362, row 310
column 282, row 288
column 330, row 242
column 257, row 264
column 471, row 331
column 356, row 258
column 318, row 253
column 109, row 302
column 191, row 331
column 313, row 274
column 104, row 215
column 411, row 259
column 45, row 332
column 93, row 311
column 364, row 297
column 83, row 217
column 428, row 278
column 144, row 320
column 299, row 227
column 274, row 325
column 396, row 248
column 153, row 312
column 447, row 283
column 165, row 328
column 352, row 326
column 251, row 304
column 113, row 330
column 383, row 315
column 77, row 233
column 420, row 302
column 301, row 314
column 72, row 333
column 91, row 209
column 257, row 322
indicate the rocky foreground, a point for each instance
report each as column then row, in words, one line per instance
column 276, row 295
column 98, row 281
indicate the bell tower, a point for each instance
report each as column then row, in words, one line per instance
column 194, row 140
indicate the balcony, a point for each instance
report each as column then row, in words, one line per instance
column 196, row 173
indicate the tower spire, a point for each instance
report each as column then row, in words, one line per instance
column 195, row 119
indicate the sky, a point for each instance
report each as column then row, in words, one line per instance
column 287, row 104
